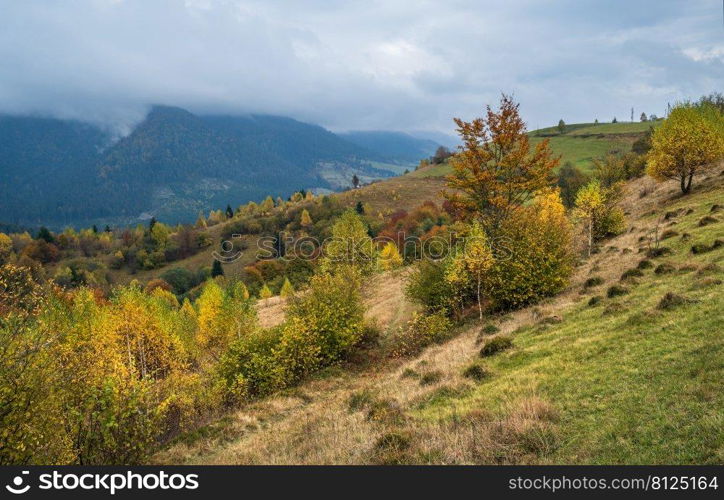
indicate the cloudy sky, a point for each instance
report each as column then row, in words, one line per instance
column 359, row 64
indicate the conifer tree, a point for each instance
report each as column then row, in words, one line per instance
column 287, row 289
column 216, row 269
column 265, row 292
column 390, row 257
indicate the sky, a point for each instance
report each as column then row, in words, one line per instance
column 359, row 64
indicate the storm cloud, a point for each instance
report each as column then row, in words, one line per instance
column 392, row 64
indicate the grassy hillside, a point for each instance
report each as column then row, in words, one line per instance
column 622, row 379
column 579, row 144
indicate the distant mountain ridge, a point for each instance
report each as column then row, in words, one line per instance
column 398, row 145
column 172, row 165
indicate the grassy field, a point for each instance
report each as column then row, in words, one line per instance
column 579, row 144
column 621, row 381
column 629, row 382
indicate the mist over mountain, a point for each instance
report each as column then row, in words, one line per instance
column 175, row 164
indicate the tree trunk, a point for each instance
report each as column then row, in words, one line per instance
column 683, row 184
column 590, row 236
column 688, row 184
column 480, row 305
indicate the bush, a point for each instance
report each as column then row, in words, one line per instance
column 632, row 273
column 658, row 252
column 495, row 345
column 430, row 378
column 672, row 300
column 664, row 268
column 616, row 291
column 593, row 281
column 706, row 220
column 534, row 257
column 427, row 286
column 421, row 331
column 595, row 300
column 645, row 264
column 476, row 371
column 489, row 329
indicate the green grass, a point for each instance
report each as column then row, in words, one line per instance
column 639, row 386
column 580, row 144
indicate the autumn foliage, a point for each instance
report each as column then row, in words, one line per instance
column 495, row 171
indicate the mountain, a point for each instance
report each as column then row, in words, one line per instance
column 397, row 146
column 172, row 165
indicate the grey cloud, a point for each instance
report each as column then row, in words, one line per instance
column 375, row 65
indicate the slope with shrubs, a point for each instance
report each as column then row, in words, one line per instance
column 580, row 378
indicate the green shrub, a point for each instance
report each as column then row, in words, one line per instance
column 672, row 300
column 645, row 264
column 616, row 290
column 595, row 300
column 476, row 371
column 421, row 331
column 489, row 329
column 593, row 281
column 658, row 252
column 360, row 400
column 632, row 273
column 427, row 286
column 664, row 268
column 495, row 345
column 430, row 378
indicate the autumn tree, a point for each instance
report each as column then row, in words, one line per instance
column 471, row 262
column 597, row 206
column 350, row 245
column 688, row 141
column 390, row 257
column 496, row 171
column 305, row 219
column 265, row 292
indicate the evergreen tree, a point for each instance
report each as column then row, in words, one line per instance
column 216, row 269
column 95, row 229
column 561, row 126
column 45, row 234
column 287, row 288
column 229, row 212
column 355, row 181
column 359, row 208
column 152, row 222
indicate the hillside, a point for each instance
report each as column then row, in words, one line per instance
column 172, row 165
column 579, row 144
column 631, row 378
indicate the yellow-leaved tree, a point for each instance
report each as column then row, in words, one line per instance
column 287, row 289
column 689, row 140
column 390, row 257
column 471, row 262
column 350, row 245
column 306, row 219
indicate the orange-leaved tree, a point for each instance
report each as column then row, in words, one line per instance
column 495, row 170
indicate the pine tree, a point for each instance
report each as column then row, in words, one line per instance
column 229, row 212
column 94, row 229
column 216, row 269
column 355, row 181
column 239, row 291
column 287, row 289
column 152, row 222
column 359, row 208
